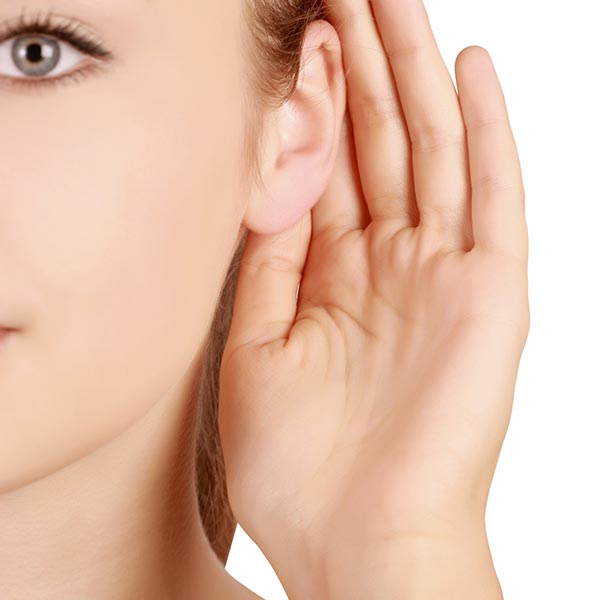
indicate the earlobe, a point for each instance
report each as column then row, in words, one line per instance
column 303, row 137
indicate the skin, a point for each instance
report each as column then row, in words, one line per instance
column 121, row 207
column 375, row 345
column 142, row 193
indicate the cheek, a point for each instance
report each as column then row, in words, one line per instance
column 123, row 246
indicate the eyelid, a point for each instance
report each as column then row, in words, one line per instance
column 62, row 27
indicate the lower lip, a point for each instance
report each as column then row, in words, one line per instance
column 4, row 335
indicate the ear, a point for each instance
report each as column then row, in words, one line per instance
column 302, row 137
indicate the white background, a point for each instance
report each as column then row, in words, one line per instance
column 542, row 517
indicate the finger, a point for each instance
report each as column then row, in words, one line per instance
column 342, row 207
column 433, row 117
column 382, row 144
column 497, row 196
column 271, row 267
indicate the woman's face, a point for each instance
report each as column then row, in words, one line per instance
column 120, row 207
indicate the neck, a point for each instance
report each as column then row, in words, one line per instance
column 120, row 523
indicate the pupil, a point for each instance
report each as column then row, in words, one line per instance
column 34, row 52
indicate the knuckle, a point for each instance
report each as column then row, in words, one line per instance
column 491, row 184
column 482, row 122
column 443, row 216
column 403, row 49
column 428, row 138
column 269, row 263
column 374, row 111
column 390, row 196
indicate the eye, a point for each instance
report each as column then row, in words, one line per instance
column 36, row 56
column 46, row 51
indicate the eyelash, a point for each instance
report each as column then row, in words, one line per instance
column 70, row 32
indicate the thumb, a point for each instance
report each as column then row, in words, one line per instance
column 271, row 268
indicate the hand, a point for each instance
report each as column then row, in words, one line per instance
column 374, row 408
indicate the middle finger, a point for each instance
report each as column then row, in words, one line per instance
column 433, row 116
column 381, row 140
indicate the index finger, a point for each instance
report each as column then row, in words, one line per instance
column 382, row 143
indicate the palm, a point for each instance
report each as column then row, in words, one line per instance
column 381, row 397
column 393, row 356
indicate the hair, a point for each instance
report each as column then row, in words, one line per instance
column 272, row 33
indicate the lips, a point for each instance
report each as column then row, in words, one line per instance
column 5, row 334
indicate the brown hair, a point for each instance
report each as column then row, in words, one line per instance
column 273, row 33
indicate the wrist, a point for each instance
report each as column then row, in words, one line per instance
column 453, row 564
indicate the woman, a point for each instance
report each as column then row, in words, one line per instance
column 362, row 412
